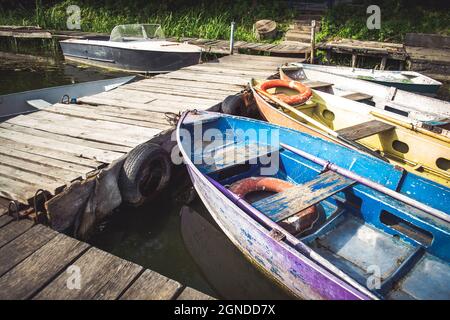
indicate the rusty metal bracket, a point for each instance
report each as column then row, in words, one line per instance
column 36, row 212
column 16, row 209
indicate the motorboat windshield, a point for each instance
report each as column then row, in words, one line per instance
column 136, row 32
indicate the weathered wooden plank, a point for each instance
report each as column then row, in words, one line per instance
column 219, row 69
column 152, row 286
column 37, row 153
column 191, row 294
column 44, row 161
column 157, row 118
column 197, row 92
column 365, row 129
column 179, row 96
column 81, row 151
column 45, row 182
column 16, row 190
column 90, row 115
column 85, row 127
column 186, row 75
column 29, row 276
column 103, row 276
column 12, row 230
column 4, row 218
column 24, row 245
column 41, row 169
column 162, row 82
column 80, row 128
column 4, row 203
column 63, row 138
column 169, row 97
column 288, row 203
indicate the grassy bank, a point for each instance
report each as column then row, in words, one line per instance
column 209, row 19
column 397, row 19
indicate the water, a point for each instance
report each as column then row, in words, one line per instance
column 150, row 236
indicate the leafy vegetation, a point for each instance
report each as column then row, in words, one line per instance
column 397, row 19
column 204, row 19
column 211, row 19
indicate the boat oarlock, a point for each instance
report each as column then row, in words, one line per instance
column 304, row 92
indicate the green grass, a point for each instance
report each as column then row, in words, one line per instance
column 201, row 21
column 350, row 22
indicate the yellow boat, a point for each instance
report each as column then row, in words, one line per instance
column 361, row 126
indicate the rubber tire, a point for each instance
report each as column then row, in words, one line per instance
column 136, row 167
column 233, row 105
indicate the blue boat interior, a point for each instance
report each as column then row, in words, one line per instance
column 393, row 249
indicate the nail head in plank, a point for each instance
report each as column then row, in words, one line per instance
column 152, row 286
column 29, row 276
column 103, row 276
column 364, row 130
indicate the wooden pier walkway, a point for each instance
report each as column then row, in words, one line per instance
column 37, row 262
column 51, row 148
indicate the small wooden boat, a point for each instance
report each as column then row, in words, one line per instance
column 356, row 124
column 135, row 47
column 432, row 114
column 28, row 101
column 336, row 224
column 405, row 80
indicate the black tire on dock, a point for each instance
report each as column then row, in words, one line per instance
column 233, row 105
column 145, row 172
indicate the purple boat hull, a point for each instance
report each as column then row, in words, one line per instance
column 295, row 272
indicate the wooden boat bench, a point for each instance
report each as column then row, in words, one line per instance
column 232, row 154
column 364, row 130
column 287, row 203
column 358, row 96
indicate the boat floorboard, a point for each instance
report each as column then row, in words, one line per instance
column 56, row 145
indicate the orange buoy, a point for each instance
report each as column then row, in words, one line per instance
column 304, row 92
column 301, row 221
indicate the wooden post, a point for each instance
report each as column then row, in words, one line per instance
column 233, row 24
column 313, row 40
column 383, row 63
column 354, row 60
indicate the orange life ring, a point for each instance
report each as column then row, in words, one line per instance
column 296, row 224
column 304, row 92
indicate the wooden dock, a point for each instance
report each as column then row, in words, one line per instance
column 64, row 150
column 38, row 263
column 356, row 48
column 51, row 148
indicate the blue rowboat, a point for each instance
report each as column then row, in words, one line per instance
column 350, row 226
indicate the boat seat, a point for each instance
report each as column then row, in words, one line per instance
column 39, row 103
column 316, row 84
column 357, row 96
column 285, row 204
column 231, row 154
column 364, row 130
